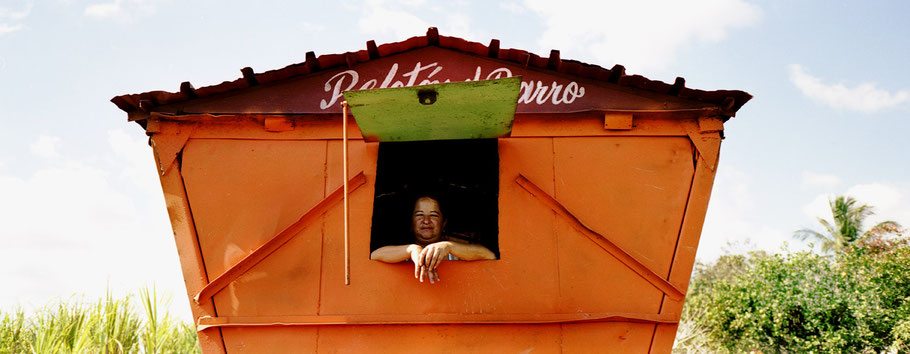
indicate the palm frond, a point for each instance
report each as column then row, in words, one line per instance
column 846, row 225
column 809, row 234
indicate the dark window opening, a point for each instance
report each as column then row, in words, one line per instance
column 462, row 174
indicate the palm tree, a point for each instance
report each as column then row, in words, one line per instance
column 847, row 227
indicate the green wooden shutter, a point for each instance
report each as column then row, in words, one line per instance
column 458, row 110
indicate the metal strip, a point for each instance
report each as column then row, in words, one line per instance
column 431, row 319
column 276, row 242
column 611, row 248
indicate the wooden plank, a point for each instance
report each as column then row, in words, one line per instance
column 591, row 125
column 276, row 242
column 684, row 256
column 664, row 335
column 527, row 240
column 602, row 241
column 191, row 262
column 243, row 193
column 252, row 128
column 606, row 337
column 328, row 126
column 634, row 189
column 541, row 338
column 271, row 339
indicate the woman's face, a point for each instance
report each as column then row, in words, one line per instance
column 427, row 221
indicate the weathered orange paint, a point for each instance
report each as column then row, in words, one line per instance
column 600, row 213
column 646, row 194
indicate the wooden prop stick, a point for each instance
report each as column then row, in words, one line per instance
column 344, row 152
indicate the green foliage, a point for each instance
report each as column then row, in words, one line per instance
column 856, row 301
column 107, row 326
column 163, row 333
column 847, row 226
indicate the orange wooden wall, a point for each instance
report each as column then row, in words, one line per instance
column 231, row 186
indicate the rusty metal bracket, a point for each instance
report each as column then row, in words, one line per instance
column 134, row 116
column 168, row 146
column 710, row 124
column 618, row 121
column 706, row 138
column 276, row 242
column 152, row 125
column 207, row 322
column 607, row 245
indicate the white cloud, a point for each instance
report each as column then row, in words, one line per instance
column 120, row 10
column 457, row 23
column 891, row 201
column 379, row 16
column 7, row 29
column 10, row 15
column 731, row 223
column 512, row 7
column 818, row 208
column 413, row 3
column 108, row 9
column 812, row 180
column 137, row 162
column 46, row 146
column 311, row 27
column 77, row 226
column 16, row 14
column 865, row 97
column 641, row 35
column 399, row 19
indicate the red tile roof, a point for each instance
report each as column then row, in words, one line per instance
column 729, row 100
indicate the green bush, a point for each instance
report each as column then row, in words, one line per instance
column 858, row 300
column 107, row 326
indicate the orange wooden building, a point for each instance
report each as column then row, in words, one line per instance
column 596, row 201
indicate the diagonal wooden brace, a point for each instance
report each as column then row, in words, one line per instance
column 611, row 248
column 276, row 242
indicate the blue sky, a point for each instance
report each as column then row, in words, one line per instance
column 82, row 210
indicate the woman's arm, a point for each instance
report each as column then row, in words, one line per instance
column 395, row 254
column 435, row 253
column 471, row 251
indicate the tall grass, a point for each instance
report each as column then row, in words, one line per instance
column 110, row 325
